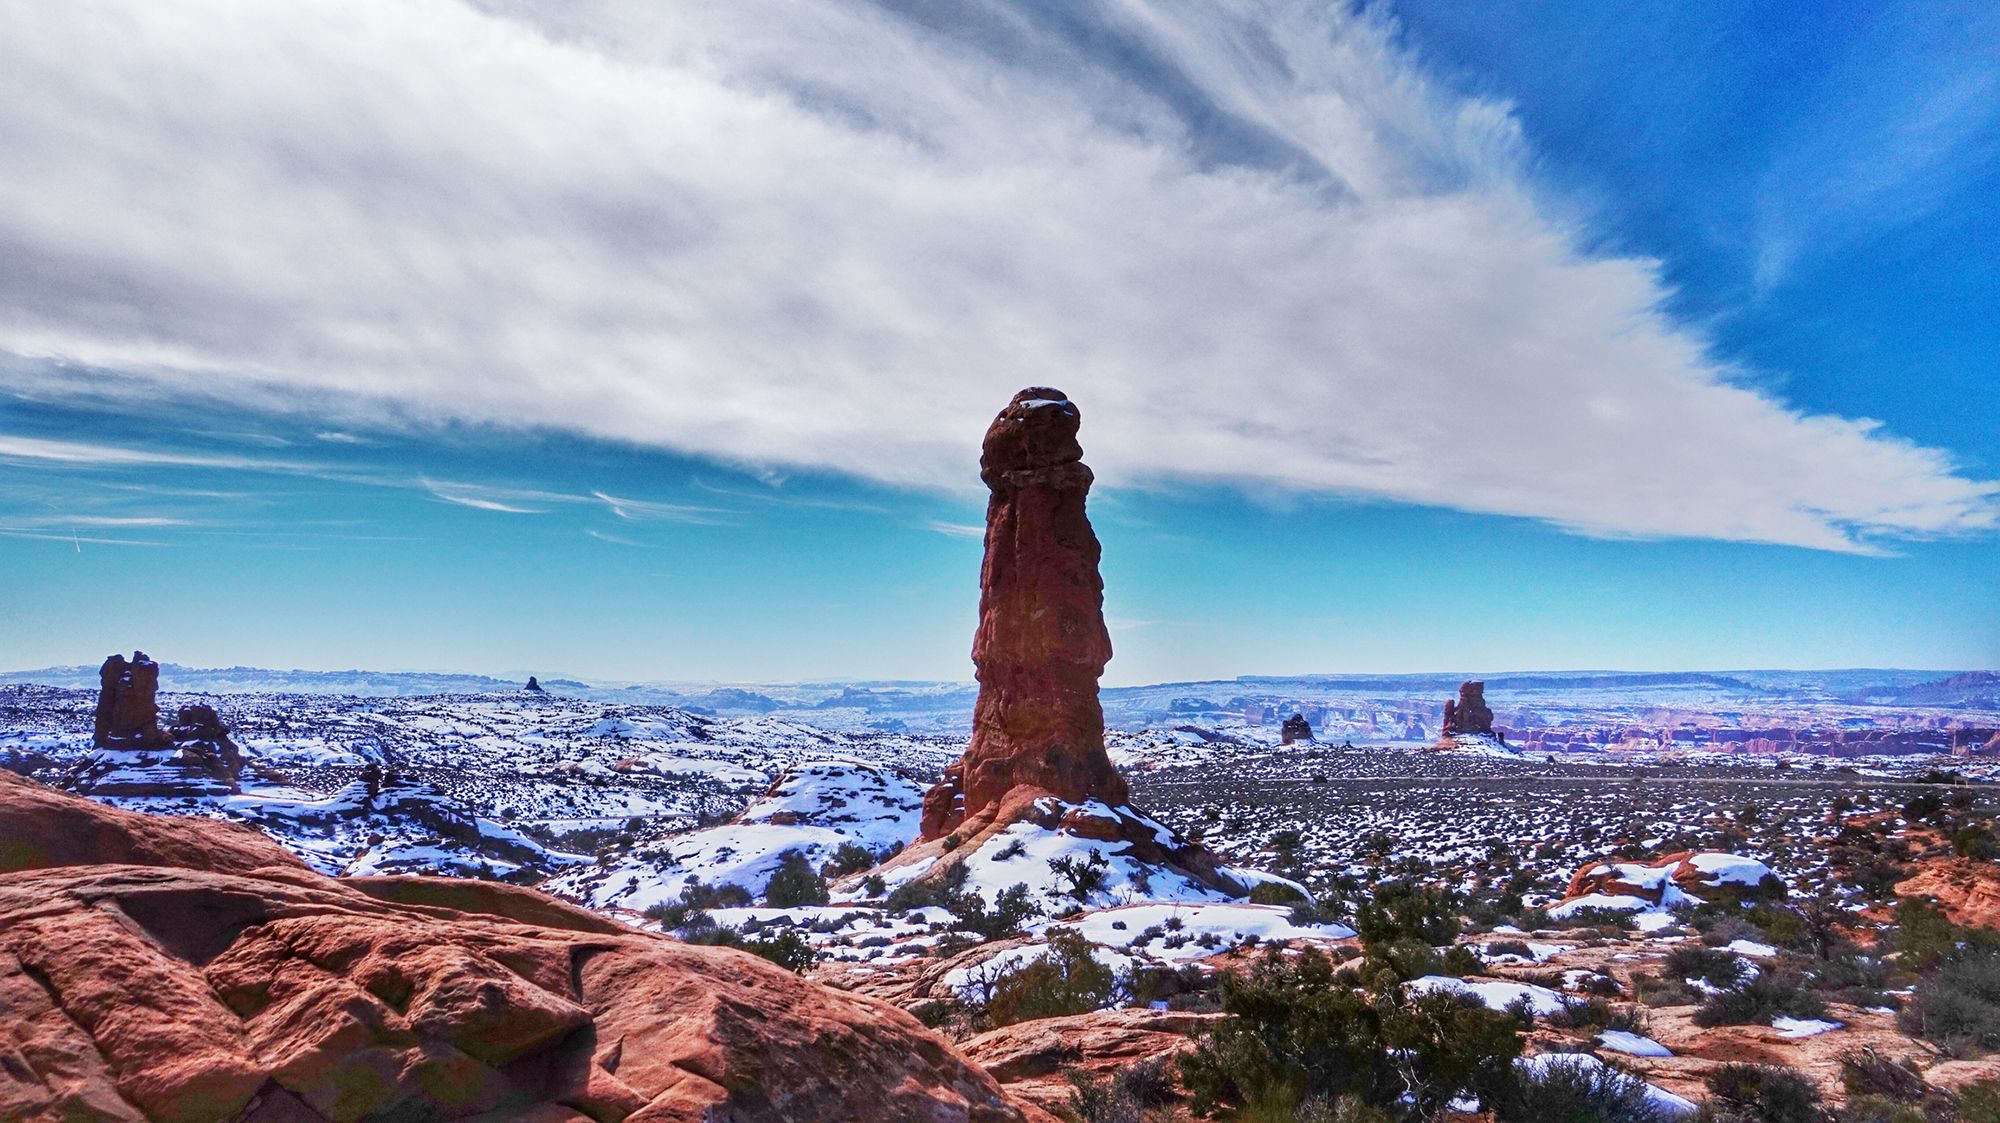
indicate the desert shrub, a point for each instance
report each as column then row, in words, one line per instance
column 1296, row 1037
column 1014, row 905
column 1864, row 1072
column 1596, row 1013
column 1762, row 1094
column 1716, row 968
column 1974, row 842
column 1578, row 1092
column 1407, row 911
column 1924, row 935
column 1613, row 919
column 850, row 858
column 1654, row 990
column 1068, row 979
column 795, row 883
column 1122, row 1097
column 1510, row 947
column 928, row 894
column 1276, row 893
column 1770, row 995
column 1852, row 978
column 1957, row 1005
column 788, row 949
column 1085, row 875
column 1929, row 805
column 1979, row 1102
column 691, row 911
column 873, row 886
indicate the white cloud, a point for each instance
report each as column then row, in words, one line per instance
column 1250, row 238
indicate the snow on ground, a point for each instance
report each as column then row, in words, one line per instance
column 1496, row 994
column 1029, row 854
column 814, row 809
column 1631, row 1044
column 1803, row 1027
column 1176, row 932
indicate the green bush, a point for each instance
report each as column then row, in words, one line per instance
column 1066, row 980
column 1295, row 1036
column 1276, row 893
column 1957, row 1005
column 1407, row 911
column 788, row 949
column 1578, row 1092
column 1979, row 1102
column 1770, row 995
column 850, row 858
column 1924, row 935
column 795, row 883
column 1711, row 966
column 1974, row 842
column 1763, row 1094
column 1122, row 1097
column 1085, row 875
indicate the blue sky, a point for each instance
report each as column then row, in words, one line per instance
column 635, row 341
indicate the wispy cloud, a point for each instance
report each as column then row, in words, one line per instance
column 83, row 452
column 614, row 539
column 1254, row 240
column 79, row 541
column 957, row 530
column 105, row 520
column 640, row 510
column 480, row 498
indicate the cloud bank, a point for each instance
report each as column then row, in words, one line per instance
column 1249, row 237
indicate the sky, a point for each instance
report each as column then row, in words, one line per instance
column 638, row 341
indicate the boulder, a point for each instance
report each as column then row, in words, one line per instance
column 183, row 971
column 1033, row 1059
column 1664, row 881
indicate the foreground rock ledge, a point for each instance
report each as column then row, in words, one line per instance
column 177, row 970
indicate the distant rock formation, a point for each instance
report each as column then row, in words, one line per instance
column 533, row 687
column 128, row 713
column 135, row 757
column 179, row 969
column 1041, row 643
column 1469, row 714
column 1296, row 728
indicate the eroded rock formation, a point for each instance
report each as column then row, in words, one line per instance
column 182, row 971
column 128, row 714
column 1041, row 644
column 1296, row 728
column 1469, row 714
column 134, row 757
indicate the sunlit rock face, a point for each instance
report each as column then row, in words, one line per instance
column 1041, row 644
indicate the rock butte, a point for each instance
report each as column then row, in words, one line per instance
column 1469, row 714
column 173, row 970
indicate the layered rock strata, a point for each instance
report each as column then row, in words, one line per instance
column 182, row 971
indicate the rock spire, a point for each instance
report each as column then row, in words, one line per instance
column 1041, row 643
column 128, row 712
column 1469, row 714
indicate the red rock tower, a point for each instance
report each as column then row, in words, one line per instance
column 1041, row 643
